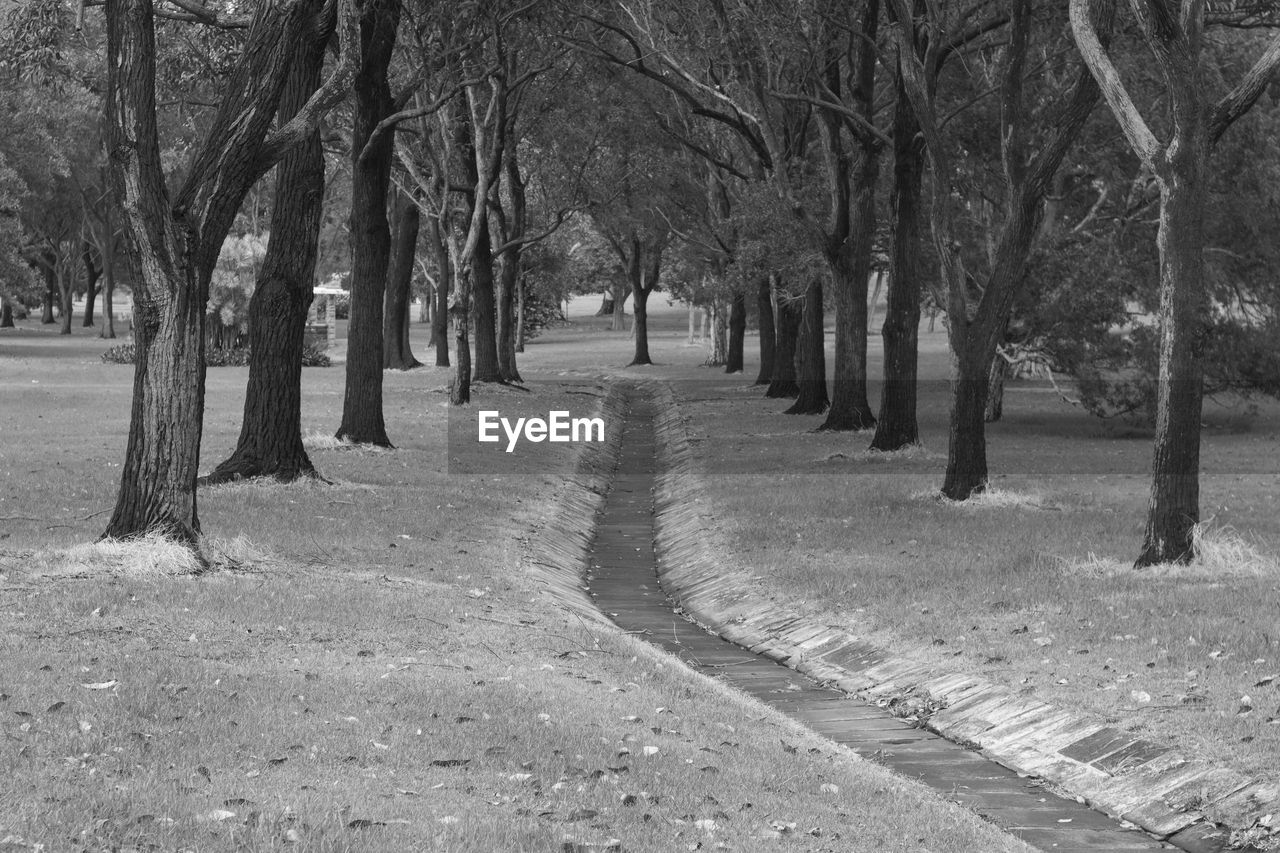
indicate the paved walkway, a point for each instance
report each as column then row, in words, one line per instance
column 623, row 580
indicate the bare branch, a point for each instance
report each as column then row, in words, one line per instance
column 1241, row 99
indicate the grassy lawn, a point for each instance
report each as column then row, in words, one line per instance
column 370, row 667
column 1031, row 587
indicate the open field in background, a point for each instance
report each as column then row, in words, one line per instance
column 370, row 668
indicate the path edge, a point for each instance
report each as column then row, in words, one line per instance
column 559, row 547
column 1183, row 800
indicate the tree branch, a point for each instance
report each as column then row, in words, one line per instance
column 1142, row 140
column 1241, row 99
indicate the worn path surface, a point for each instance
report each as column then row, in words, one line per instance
column 624, row 582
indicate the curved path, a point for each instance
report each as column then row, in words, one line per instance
column 622, row 578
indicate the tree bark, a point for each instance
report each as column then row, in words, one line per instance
column 852, row 233
column 270, row 441
column 520, row 295
column 967, row 442
column 768, row 334
column 362, row 415
column 811, row 359
column 396, row 352
column 737, row 332
column 897, row 427
column 606, row 305
column 67, row 295
column 440, row 319
column 618, row 307
column 1174, row 509
column 484, row 312
column 92, row 273
column 783, row 381
column 508, row 321
column 996, row 378
column 6, row 313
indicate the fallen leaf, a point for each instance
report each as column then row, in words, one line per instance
column 215, row 816
column 364, row 823
column 450, row 762
column 100, row 685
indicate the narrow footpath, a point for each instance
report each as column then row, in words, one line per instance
column 622, row 578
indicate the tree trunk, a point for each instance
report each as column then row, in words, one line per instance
column 424, row 306
column 811, row 360
column 108, row 278
column 737, row 333
column 719, row 335
column 618, row 307
column 520, row 315
column 782, row 383
column 6, row 313
column 967, row 445
column 606, row 306
column 896, row 427
column 362, row 416
column 508, row 322
column 484, row 312
column 693, row 322
column 768, row 335
column 270, row 442
column 440, row 321
column 91, row 273
column 1174, row 509
column 640, row 307
column 66, row 292
column 996, row 378
column 396, row 352
column 51, row 295
column 460, row 309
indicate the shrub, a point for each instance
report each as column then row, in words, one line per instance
column 312, row 356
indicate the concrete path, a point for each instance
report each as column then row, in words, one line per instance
column 623, row 581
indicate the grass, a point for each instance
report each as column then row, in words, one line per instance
column 1031, row 585
column 368, row 667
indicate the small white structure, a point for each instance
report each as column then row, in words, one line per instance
column 324, row 309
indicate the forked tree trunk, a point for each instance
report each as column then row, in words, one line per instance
column 896, row 427
column 396, row 352
column 444, row 273
column 485, row 312
column 270, row 442
column 175, row 241
column 811, row 360
column 768, row 334
column 737, row 332
column 783, row 382
column 362, row 415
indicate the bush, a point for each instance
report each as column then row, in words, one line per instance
column 312, row 356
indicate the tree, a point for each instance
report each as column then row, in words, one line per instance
column 396, row 353
column 270, row 441
column 176, row 243
column 371, row 158
column 1174, row 33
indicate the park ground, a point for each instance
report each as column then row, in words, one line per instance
column 370, row 669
